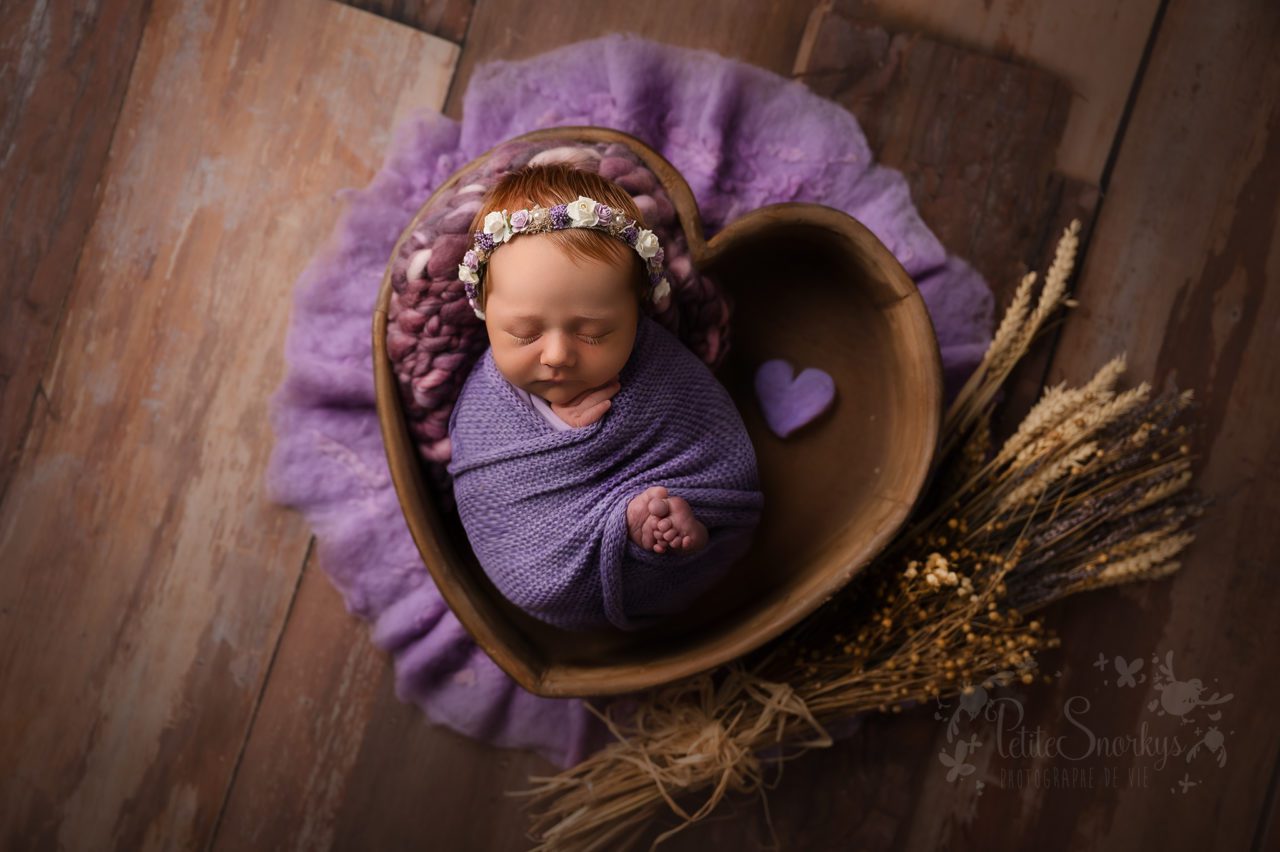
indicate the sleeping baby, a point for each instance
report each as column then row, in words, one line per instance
column 602, row 474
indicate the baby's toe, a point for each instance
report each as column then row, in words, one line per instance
column 680, row 510
column 644, row 538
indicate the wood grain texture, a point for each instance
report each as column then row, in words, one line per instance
column 153, row 606
column 64, row 68
column 1096, row 47
column 327, row 684
column 1183, row 274
column 147, row 576
column 335, row 760
column 762, row 32
column 973, row 135
column 447, row 19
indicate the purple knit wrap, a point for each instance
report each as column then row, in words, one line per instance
column 546, row 510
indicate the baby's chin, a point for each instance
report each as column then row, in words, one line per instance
column 557, row 394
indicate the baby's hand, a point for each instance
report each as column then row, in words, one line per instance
column 589, row 406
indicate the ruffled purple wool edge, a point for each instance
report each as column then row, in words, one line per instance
column 742, row 137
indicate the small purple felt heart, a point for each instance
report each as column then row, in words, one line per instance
column 790, row 403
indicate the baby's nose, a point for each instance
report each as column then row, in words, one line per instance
column 556, row 352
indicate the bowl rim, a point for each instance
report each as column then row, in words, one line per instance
column 522, row 660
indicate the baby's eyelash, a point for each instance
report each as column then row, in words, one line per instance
column 525, row 341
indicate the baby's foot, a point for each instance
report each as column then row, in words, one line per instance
column 659, row 522
column 642, row 523
column 677, row 528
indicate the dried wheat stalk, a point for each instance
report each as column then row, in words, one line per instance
column 1092, row 490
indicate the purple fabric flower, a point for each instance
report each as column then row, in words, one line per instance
column 559, row 216
column 471, row 260
column 631, row 233
column 604, row 213
column 519, row 220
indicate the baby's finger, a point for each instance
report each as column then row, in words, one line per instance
column 595, row 396
column 589, row 392
column 595, row 412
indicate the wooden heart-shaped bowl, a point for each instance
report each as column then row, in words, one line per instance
column 810, row 284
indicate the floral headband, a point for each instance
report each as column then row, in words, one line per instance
column 499, row 227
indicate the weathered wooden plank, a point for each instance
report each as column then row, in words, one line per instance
column 975, row 136
column 310, row 728
column 1177, row 275
column 762, row 32
column 1182, row 273
column 447, row 19
column 1096, row 47
column 64, row 68
column 335, row 760
column 147, row 576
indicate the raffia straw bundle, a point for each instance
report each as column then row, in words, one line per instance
column 1092, row 490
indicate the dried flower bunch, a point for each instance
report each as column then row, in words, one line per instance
column 501, row 226
column 1092, row 490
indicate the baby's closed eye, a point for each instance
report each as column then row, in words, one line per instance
column 593, row 339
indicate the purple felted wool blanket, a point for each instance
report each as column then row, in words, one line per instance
column 546, row 510
column 741, row 136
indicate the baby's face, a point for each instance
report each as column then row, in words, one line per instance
column 557, row 328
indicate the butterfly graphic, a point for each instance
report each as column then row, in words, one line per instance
column 1127, row 671
column 958, row 766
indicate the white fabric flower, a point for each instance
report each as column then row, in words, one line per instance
column 660, row 292
column 497, row 226
column 582, row 212
column 467, row 275
column 647, row 243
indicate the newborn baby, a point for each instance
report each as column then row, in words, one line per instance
column 603, row 475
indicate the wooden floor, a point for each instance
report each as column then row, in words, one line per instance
column 176, row 673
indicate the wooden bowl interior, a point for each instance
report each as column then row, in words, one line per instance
column 837, row 488
column 808, row 284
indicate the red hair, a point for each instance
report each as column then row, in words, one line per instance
column 559, row 183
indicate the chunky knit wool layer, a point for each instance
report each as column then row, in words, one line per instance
column 545, row 510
